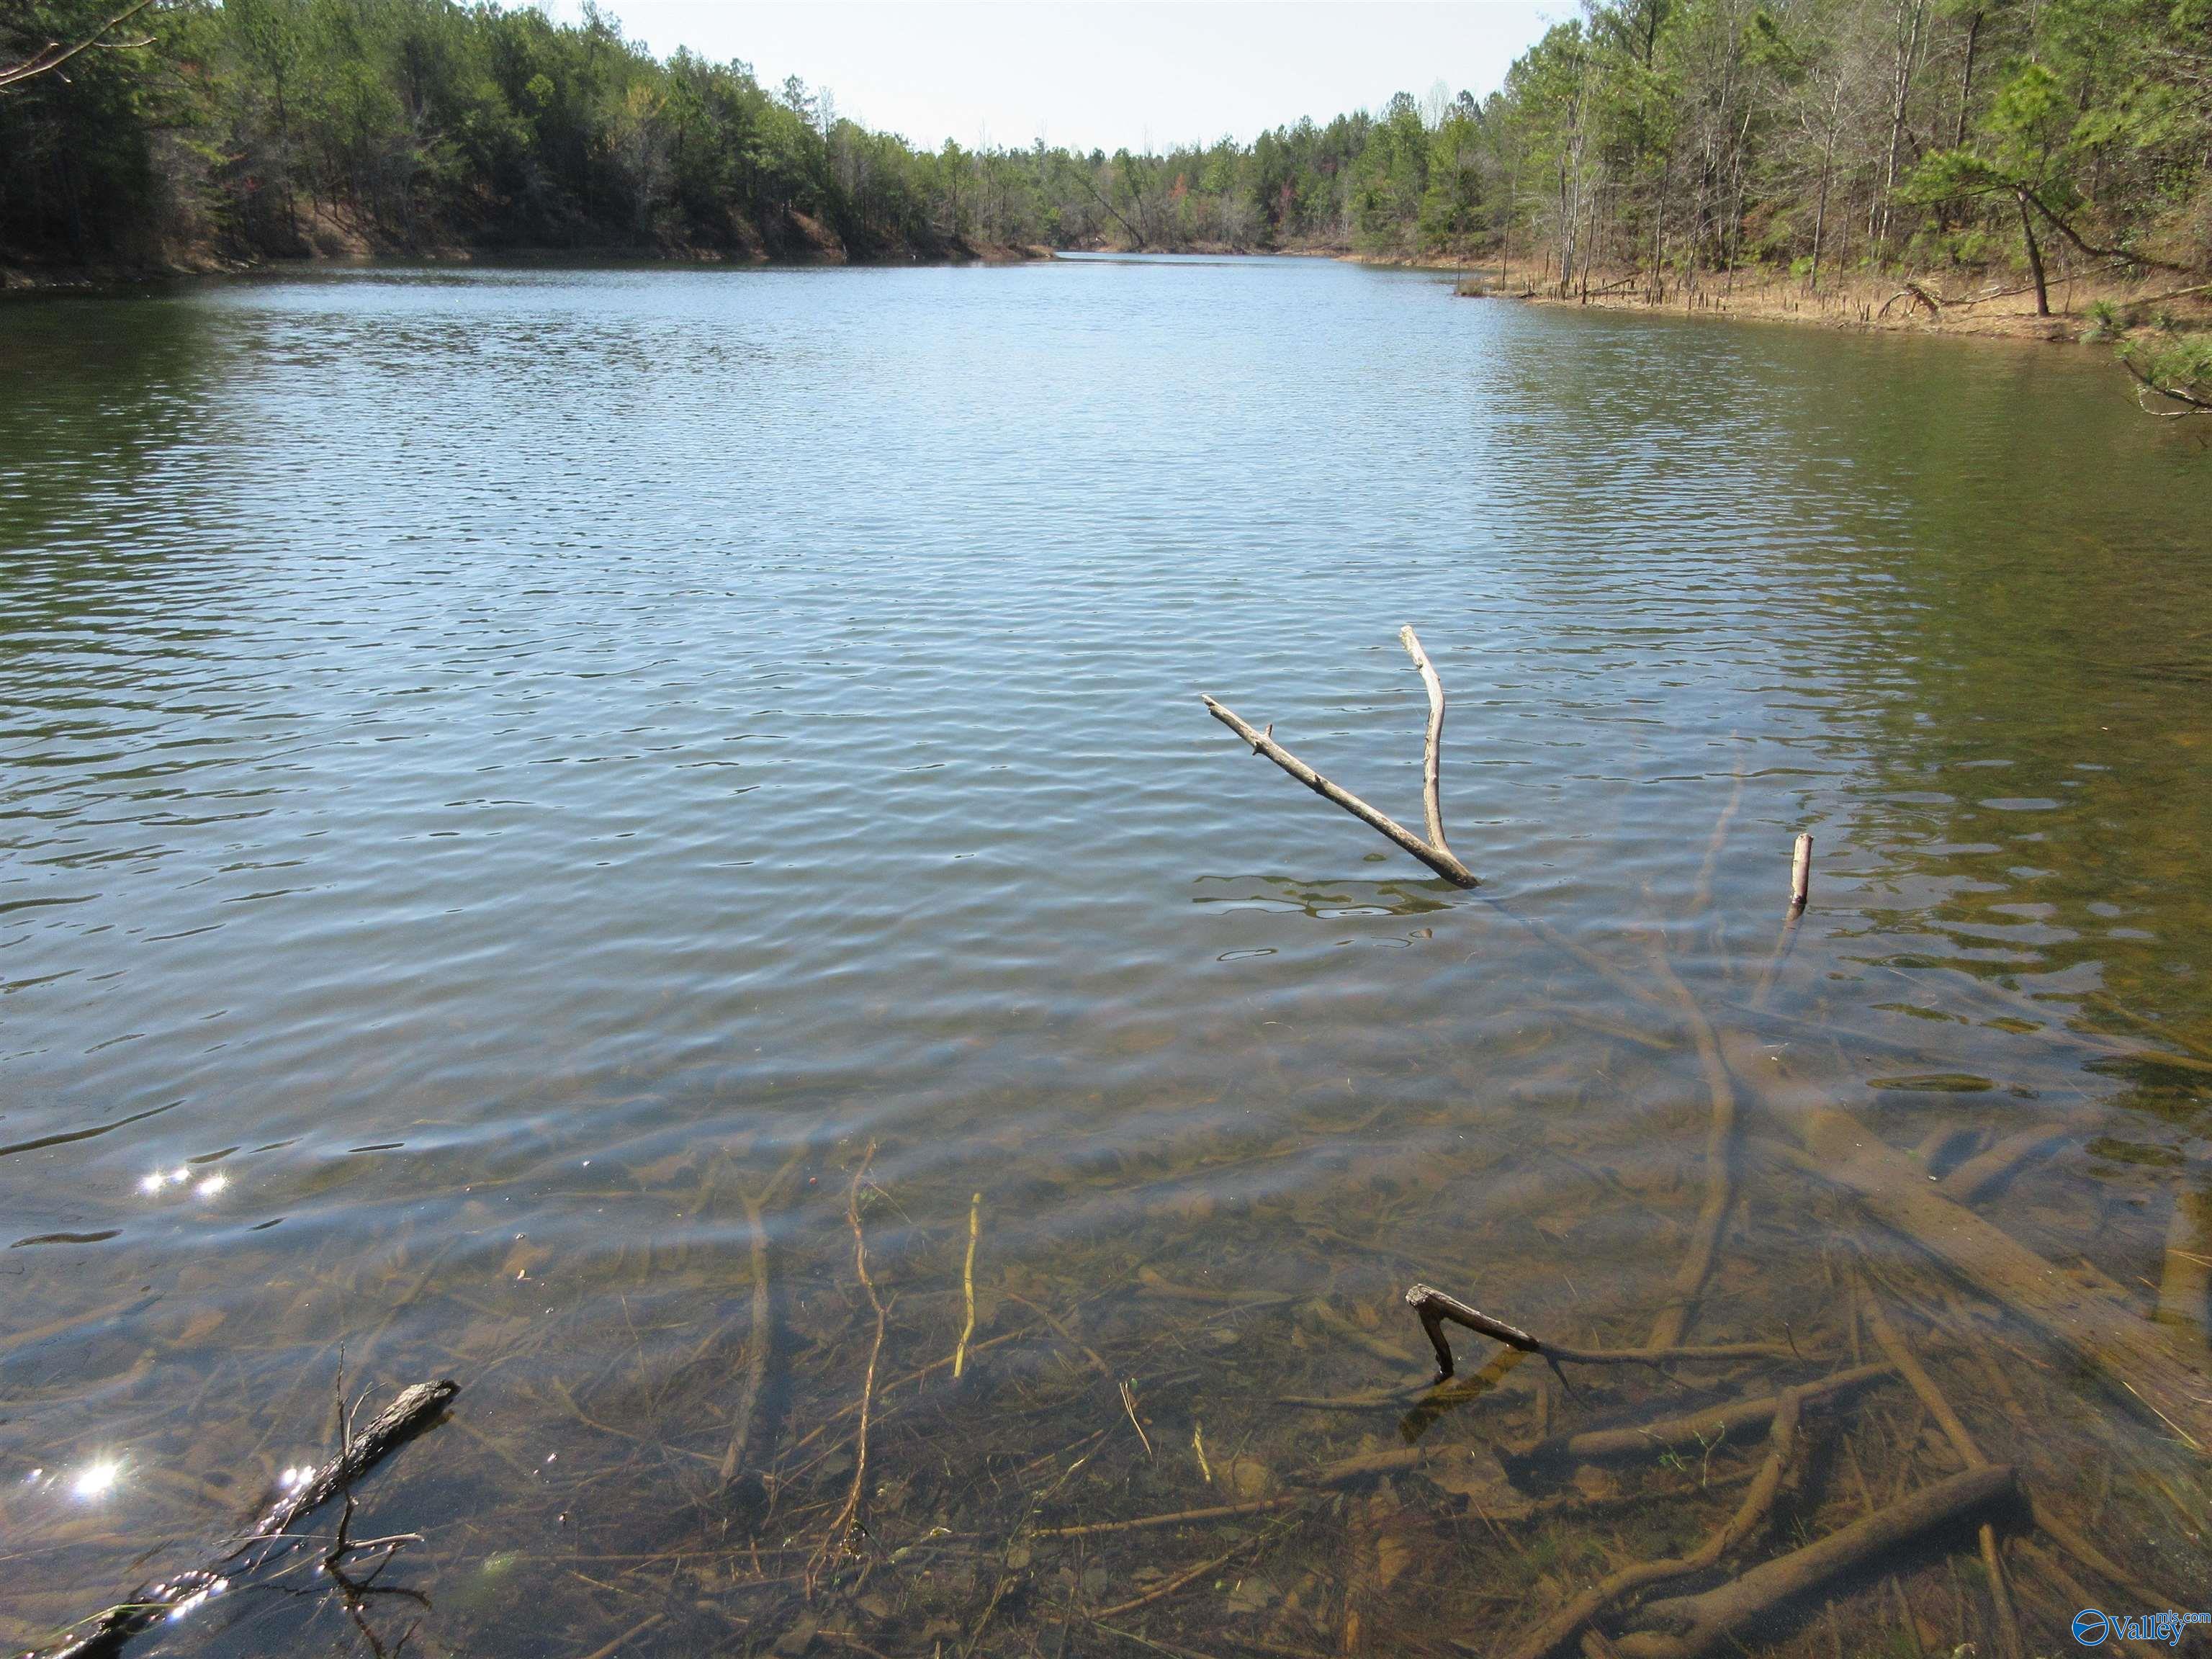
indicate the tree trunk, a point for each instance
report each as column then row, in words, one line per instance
column 2034, row 256
column 1908, row 51
column 1966, row 79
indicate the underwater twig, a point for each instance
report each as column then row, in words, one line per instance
column 968, row 1286
column 1128, row 1392
column 1435, row 1307
column 1179, row 1518
column 1169, row 1586
column 1977, row 1177
column 759, row 1340
column 837, row 1541
column 2184, row 1286
column 1433, row 851
column 650, row 1621
column 405, row 1417
column 1701, row 896
column 1346, row 1472
column 1594, row 1445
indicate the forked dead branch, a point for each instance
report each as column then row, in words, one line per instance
column 1433, row 850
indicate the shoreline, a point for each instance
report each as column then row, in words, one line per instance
column 49, row 282
column 1958, row 304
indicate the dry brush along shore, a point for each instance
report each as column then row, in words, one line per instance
column 1847, row 1413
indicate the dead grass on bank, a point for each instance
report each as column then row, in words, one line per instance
column 1996, row 305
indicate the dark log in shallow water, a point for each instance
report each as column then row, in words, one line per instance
column 1433, row 851
column 1692, row 1625
column 404, row 1417
column 1970, row 1452
column 1639, row 1577
column 2128, row 1348
column 1895, row 1190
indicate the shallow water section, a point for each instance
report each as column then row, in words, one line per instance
column 549, row 820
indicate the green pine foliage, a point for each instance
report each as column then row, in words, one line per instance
column 1656, row 137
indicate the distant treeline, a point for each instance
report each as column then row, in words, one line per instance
column 1650, row 135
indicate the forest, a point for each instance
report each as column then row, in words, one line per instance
column 1657, row 141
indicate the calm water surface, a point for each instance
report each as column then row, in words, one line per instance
column 509, row 776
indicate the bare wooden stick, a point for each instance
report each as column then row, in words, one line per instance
column 1692, row 1624
column 1433, row 851
column 398, row 1423
column 968, row 1285
column 1800, row 873
column 1435, row 1307
column 54, row 54
column 836, row 1542
column 1432, row 805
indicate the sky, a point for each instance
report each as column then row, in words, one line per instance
column 1104, row 73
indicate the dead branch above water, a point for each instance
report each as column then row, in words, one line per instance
column 1434, row 1307
column 414, row 1410
column 1433, row 850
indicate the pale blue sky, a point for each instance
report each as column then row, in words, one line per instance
column 1105, row 73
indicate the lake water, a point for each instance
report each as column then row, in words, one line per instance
column 511, row 775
